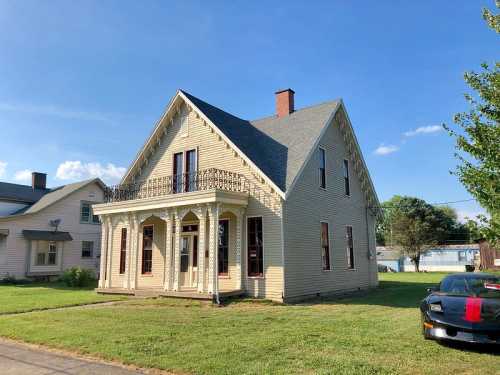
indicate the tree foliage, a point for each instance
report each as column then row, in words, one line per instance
column 478, row 141
column 414, row 226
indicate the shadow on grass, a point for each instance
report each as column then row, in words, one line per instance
column 472, row 348
column 389, row 293
column 57, row 285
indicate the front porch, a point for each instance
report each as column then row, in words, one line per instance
column 181, row 244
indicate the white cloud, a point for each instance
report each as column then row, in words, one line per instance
column 3, row 167
column 424, row 130
column 385, row 150
column 23, row 176
column 51, row 110
column 76, row 170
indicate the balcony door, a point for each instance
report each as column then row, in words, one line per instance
column 184, row 171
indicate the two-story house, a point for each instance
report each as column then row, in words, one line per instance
column 213, row 205
column 44, row 230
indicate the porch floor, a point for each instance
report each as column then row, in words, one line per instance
column 188, row 294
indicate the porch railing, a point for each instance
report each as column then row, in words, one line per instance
column 207, row 179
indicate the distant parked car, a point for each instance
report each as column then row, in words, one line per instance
column 464, row 307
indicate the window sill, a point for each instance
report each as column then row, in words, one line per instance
column 351, row 269
column 326, row 271
column 222, row 276
column 87, row 257
column 322, row 188
column 256, row 277
column 146, row 275
column 91, row 223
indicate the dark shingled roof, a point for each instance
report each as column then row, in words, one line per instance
column 278, row 146
column 46, row 235
column 20, row 193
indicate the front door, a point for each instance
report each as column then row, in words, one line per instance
column 189, row 261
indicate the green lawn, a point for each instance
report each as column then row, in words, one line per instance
column 38, row 296
column 371, row 334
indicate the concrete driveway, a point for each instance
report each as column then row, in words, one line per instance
column 19, row 359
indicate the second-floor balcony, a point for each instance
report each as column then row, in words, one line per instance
column 203, row 180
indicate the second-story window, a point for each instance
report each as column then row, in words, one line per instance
column 184, row 171
column 322, row 168
column 347, row 187
column 86, row 214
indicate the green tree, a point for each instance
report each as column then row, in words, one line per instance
column 478, row 141
column 414, row 226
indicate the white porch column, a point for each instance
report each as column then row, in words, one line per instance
column 104, row 252
column 202, row 230
column 168, row 251
column 212, row 227
column 109, row 254
column 177, row 251
column 239, row 241
column 134, row 250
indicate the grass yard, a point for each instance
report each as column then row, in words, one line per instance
column 371, row 334
column 37, row 296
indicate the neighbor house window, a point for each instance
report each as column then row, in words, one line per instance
column 347, row 187
column 46, row 254
column 322, row 168
column 462, row 257
column 350, row 248
column 123, row 250
column 147, row 249
column 86, row 214
column 223, row 256
column 255, row 247
column 87, row 249
column 325, row 247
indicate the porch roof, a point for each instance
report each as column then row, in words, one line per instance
column 174, row 200
column 47, row 235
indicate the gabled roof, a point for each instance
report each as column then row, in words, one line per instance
column 54, row 195
column 277, row 147
column 20, row 193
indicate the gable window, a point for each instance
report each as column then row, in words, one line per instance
column 347, row 187
column 325, row 247
column 350, row 248
column 86, row 214
column 123, row 250
column 147, row 249
column 87, row 249
column 255, row 247
column 46, row 253
column 322, row 168
column 223, row 256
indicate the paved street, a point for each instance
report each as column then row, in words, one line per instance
column 18, row 359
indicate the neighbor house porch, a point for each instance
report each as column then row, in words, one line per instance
column 169, row 239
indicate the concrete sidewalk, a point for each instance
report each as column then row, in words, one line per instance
column 19, row 359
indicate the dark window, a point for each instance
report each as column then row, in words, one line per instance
column 87, row 249
column 123, row 250
column 52, row 254
column 350, row 248
column 85, row 212
column 178, row 183
column 325, row 247
column 255, row 247
column 322, row 168
column 223, row 256
column 195, row 251
column 191, row 170
column 190, row 228
column 147, row 249
column 346, row 178
column 185, row 254
column 95, row 219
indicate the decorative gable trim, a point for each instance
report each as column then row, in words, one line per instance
column 161, row 128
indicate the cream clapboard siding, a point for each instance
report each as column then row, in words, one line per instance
column 188, row 132
column 68, row 210
column 307, row 206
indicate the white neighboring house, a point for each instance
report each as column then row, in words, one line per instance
column 44, row 231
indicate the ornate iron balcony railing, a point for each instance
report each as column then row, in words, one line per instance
column 207, row 179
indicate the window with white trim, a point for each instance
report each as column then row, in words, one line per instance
column 46, row 254
column 347, row 186
column 322, row 168
column 87, row 249
column 325, row 247
column 86, row 214
column 349, row 247
column 255, row 246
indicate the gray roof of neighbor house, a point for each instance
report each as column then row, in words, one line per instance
column 278, row 146
column 54, row 195
column 20, row 193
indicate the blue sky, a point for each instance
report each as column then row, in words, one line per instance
column 82, row 83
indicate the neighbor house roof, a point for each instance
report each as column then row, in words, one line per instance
column 20, row 193
column 54, row 195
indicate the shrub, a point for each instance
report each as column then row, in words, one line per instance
column 78, row 277
column 11, row 280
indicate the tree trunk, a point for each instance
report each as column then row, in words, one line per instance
column 416, row 262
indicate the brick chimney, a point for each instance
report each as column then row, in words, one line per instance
column 38, row 180
column 284, row 102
